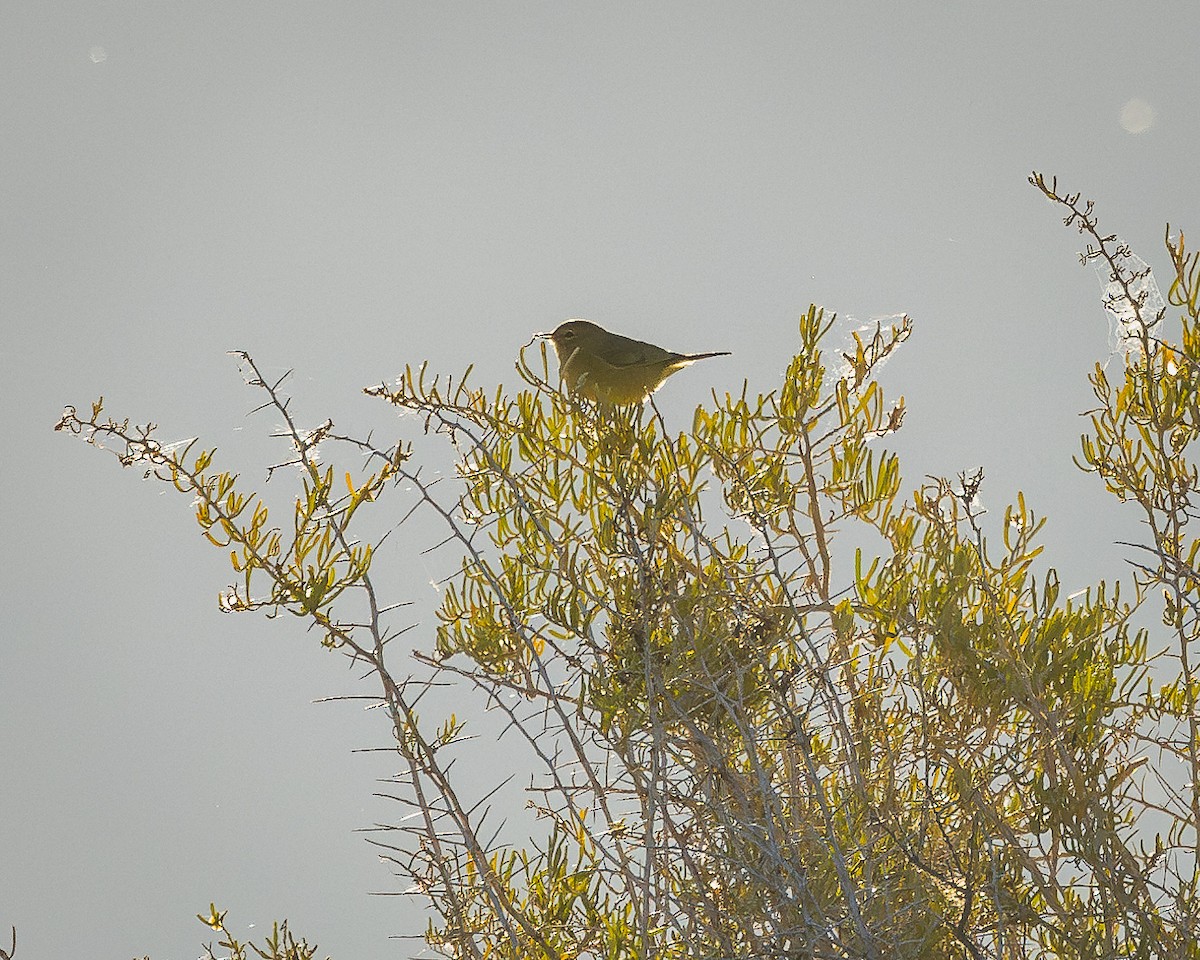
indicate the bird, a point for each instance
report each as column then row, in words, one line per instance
column 610, row 369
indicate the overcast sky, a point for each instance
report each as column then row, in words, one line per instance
column 342, row 188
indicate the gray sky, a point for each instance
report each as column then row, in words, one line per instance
column 343, row 188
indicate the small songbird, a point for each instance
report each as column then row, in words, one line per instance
column 610, row 369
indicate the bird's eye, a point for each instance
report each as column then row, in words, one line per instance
column 568, row 334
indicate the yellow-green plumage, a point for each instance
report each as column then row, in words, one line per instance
column 608, row 368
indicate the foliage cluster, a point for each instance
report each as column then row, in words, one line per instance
column 748, row 745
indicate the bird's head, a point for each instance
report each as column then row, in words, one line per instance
column 570, row 336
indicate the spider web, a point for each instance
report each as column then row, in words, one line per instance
column 1134, row 309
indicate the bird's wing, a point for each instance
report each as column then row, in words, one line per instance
column 630, row 353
